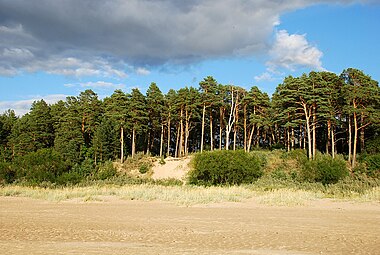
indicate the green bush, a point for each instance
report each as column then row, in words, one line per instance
column 225, row 167
column 144, row 168
column 324, row 169
column 372, row 163
column 7, row 174
column 44, row 165
column 69, row 178
column 105, row 171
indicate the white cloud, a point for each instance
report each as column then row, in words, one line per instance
column 102, row 84
column 142, row 71
column 22, row 107
column 266, row 76
column 71, row 66
column 291, row 51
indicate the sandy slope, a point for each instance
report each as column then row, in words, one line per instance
column 173, row 168
column 131, row 227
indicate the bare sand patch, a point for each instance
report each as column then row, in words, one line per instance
column 29, row 226
column 176, row 168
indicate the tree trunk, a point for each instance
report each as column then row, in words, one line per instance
column 187, row 132
column 133, row 142
column 250, row 138
column 121, row 145
column 288, row 139
column 203, row 125
column 161, row 139
column 168, row 152
column 333, row 142
column 292, row 141
column 211, row 132
column 362, row 133
column 308, row 113
column 177, row 141
column 221, row 116
column 181, row 135
column 314, row 132
column 349, row 140
column 245, row 127
column 235, row 124
column 148, row 144
column 355, row 140
column 328, row 142
column 309, row 145
column 227, row 139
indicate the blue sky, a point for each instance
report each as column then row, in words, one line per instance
column 53, row 49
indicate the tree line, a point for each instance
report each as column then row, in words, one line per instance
column 319, row 111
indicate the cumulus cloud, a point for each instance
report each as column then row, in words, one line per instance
column 292, row 51
column 112, row 38
column 22, row 107
column 142, row 71
column 97, row 84
column 266, row 76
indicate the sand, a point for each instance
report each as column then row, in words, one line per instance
column 29, row 226
column 175, row 168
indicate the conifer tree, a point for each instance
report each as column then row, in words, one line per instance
column 117, row 109
column 361, row 94
column 137, row 116
column 155, row 107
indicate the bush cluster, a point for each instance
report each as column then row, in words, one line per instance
column 371, row 165
column 47, row 166
column 324, row 169
column 225, row 167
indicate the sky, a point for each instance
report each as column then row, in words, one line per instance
column 53, row 49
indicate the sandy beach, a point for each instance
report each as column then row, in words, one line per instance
column 29, row 226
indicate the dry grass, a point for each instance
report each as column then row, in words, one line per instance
column 288, row 197
column 181, row 195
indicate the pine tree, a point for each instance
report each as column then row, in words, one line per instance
column 68, row 136
column 155, row 107
column 117, row 109
column 208, row 87
column 7, row 121
column 138, row 116
column 361, row 94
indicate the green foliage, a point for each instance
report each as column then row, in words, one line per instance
column 7, row 174
column 44, row 165
column 373, row 146
column 105, row 171
column 372, row 165
column 225, row 167
column 86, row 168
column 144, row 168
column 324, row 169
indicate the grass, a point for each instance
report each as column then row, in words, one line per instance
column 180, row 195
column 190, row 195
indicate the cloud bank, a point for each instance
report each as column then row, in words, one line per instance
column 116, row 37
column 22, row 107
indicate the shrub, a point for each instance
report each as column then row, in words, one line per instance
column 105, row 171
column 225, row 167
column 7, row 174
column 69, row 178
column 144, row 168
column 324, row 169
column 372, row 163
column 44, row 165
